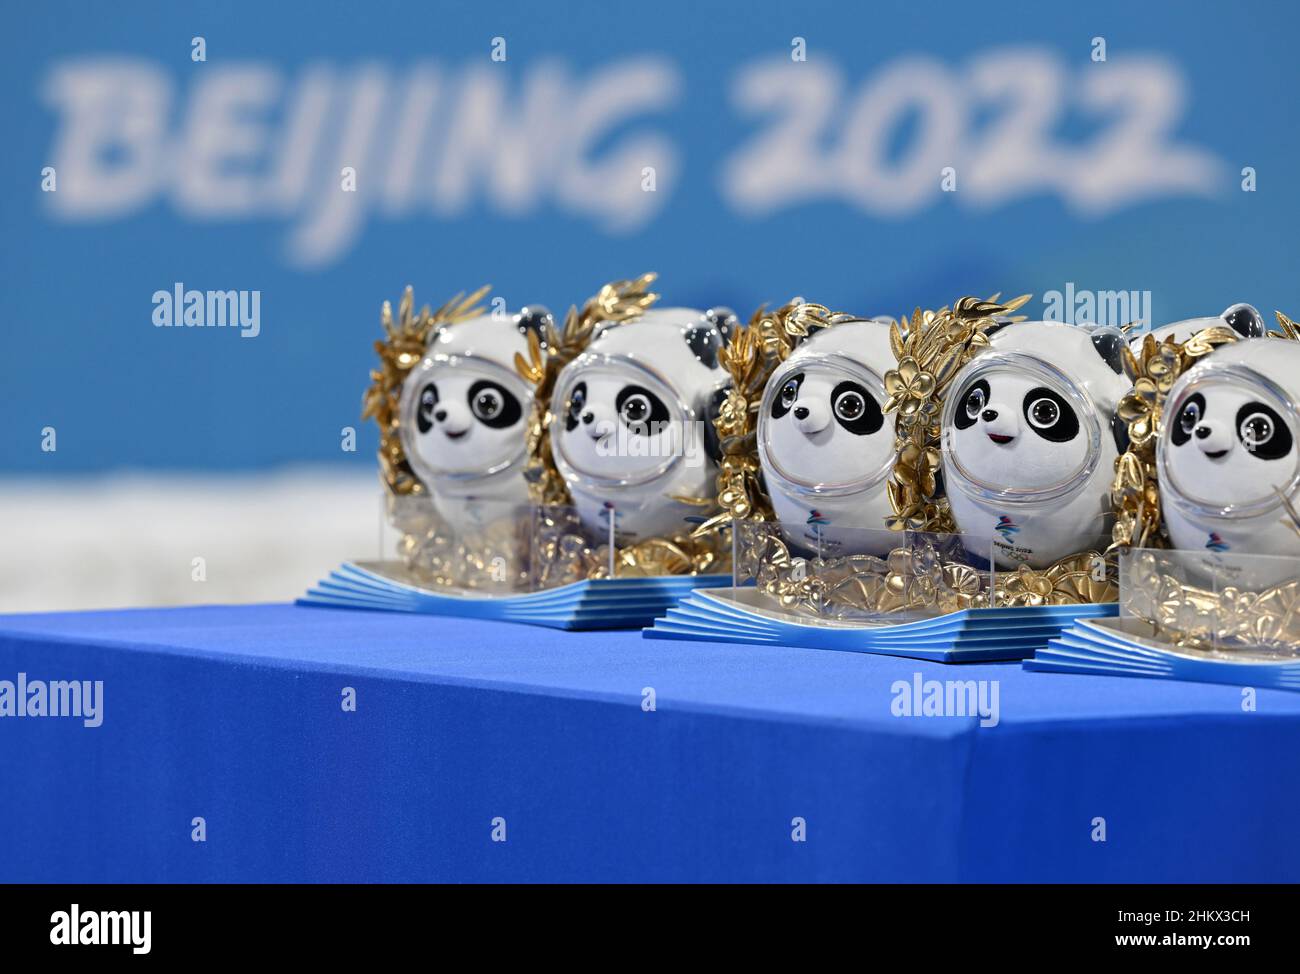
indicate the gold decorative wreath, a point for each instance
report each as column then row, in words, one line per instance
column 907, row 579
column 565, row 553
column 1229, row 619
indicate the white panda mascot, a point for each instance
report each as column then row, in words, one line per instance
column 1227, row 453
column 825, row 446
column 631, row 422
column 1241, row 318
column 1030, row 438
column 463, row 416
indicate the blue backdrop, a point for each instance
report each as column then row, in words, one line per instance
column 870, row 157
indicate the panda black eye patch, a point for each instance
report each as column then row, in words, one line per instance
column 971, row 404
column 639, row 409
column 856, row 409
column 424, row 411
column 493, row 405
column 577, row 402
column 1193, row 411
column 1263, row 432
column 1050, row 416
column 786, row 395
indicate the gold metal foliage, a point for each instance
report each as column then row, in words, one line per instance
column 1087, row 577
column 404, row 345
column 1228, row 619
column 930, row 348
column 922, row 578
column 925, row 576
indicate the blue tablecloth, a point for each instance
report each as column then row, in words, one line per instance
column 233, row 715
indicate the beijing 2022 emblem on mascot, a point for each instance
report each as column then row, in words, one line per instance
column 1228, row 458
column 1030, row 438
column 825, row 446
column 631, row 421
column 463, row 414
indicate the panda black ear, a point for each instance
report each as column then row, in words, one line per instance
column 996, row 327
column 713, row 442
column 1119, row 429
column 725, row 320
column 534, row 318
column 1245, row 321
column 1109, row 345
column 705, row 342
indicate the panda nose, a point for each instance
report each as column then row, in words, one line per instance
column 440, row 415
column 989, row 415
column 1202, row 432
column 588, row 416
column 800, row 412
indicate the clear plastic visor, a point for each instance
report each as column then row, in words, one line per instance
column 436, row 368
column 989, row 366
column 840, row 367
column 1260, row 494
column 623, row 460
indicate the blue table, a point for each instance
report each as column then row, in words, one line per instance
column 235, row 716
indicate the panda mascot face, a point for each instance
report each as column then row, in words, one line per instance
column 824, row 444
column 631, row 422
column 1241, row 318
column 463, row 416
column 1030, row 439
column 1228, row 451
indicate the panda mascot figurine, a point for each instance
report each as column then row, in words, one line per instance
column 463, row 416
column 1241, row 318
column 1228, row 455
column 631, row 422
column 825, row 446
column 1030, row 438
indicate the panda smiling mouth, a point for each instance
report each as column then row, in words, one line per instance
column 455, row 436
column 1216, row 454
column 1000, row 438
